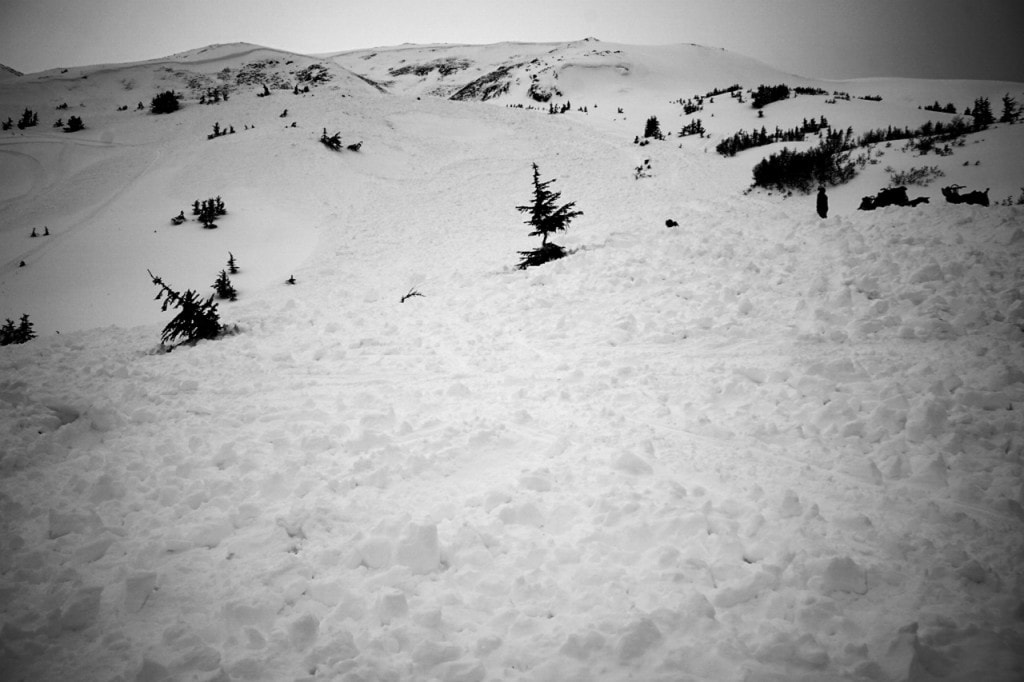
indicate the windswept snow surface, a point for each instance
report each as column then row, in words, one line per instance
column 756, row 446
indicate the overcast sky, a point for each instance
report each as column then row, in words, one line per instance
column 818, row 38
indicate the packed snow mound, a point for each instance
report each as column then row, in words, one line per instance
column 754, row 445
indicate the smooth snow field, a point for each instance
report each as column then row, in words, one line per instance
column 757, row 446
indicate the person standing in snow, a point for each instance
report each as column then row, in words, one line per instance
column 822, row 202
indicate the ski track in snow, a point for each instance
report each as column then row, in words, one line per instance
column 756, row 446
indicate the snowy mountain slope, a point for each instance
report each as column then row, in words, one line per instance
column 552, row 68
column 758, row 445
column 7, row 72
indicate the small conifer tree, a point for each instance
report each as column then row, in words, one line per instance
column 232, row 264
column 545, row 217
column 74, row 125
column 983, row 113
column 196, row 320
column 224, row 288
column 653, row 129
column 208, row 214
column 10, row 334
column 1011, row 110
column 28, row 119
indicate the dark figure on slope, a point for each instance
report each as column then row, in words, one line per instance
column 822, row 202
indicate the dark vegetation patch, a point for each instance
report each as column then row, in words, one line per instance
column 444, row 67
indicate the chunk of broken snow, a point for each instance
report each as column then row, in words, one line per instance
column 844, row 575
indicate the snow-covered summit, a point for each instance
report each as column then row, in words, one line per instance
column 535, row 72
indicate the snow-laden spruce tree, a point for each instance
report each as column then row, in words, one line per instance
column 545, row 217
column 196, row 320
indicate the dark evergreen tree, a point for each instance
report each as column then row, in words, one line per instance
column 224, row 288
column 208, row 214
column 196, row 210
column 196, row 320
column 165, row 103
column 1011, row 110
column 74, row 125
column 232, row 264
column 983, row 113
column 8, row 333
column 653, row 128
column 28, row 119
column 545, row 217
column 25, row 331
column 8, row 124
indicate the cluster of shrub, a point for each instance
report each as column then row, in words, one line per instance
column 827, row 163
column 30, row 119
column 563, row 108
column 445, row 67
column 694, row 127
column 692, row 105
column 981, row 111
column 314, row 73
column 766, row 94
column 948, row 109
column 213, row 96
column 11, row 334
column 208, row 211
column 27, row 120
column 742, row 140
column 165, row 103
column 722, row 91
column 73, row 125
column 333, row 142
column 218, row 131
column 918, row 175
